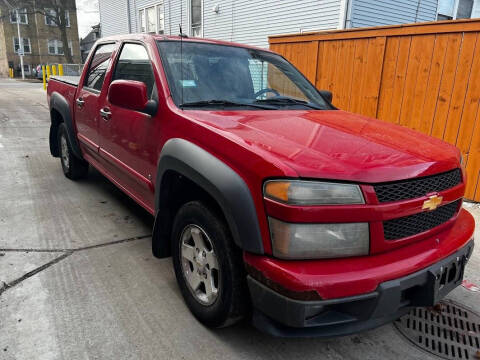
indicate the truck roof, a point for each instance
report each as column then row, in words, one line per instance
column 178, row 38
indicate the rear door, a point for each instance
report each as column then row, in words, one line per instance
column 129, row 139
column 89, row 97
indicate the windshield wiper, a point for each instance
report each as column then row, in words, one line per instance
column 284, row 100
column 206, row 103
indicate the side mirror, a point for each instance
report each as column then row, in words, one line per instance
column 327, row 95
column 132, row 95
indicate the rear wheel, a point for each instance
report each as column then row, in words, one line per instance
column 73, row 167
column 208, row 266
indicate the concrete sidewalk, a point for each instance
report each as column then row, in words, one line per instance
column 78, row 280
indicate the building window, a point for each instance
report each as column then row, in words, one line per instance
column 26, row 69
column 464, row 9
column 196, row 18
column 67, row 18
column 151, row 19
column 27, row 48
column 55, row 47
column 455, row 9
column 161, row 19
column 22, row 15
column 141, row 17
column 51, row 17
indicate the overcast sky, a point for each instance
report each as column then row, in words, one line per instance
column 87, row 14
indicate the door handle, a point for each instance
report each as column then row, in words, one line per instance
column 105, row 114
column 80, row 102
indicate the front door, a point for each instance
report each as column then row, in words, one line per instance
column 89, row 97
column 127, row 137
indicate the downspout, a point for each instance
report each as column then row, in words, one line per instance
column 418, row 9
column 129, row 20
column 348, row 14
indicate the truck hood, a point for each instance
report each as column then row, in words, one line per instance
column 335, row 144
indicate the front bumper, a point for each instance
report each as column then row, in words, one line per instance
column 282, row 316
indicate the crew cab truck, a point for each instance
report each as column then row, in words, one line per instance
column 271, row 202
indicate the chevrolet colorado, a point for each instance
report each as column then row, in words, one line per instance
column 271, row 201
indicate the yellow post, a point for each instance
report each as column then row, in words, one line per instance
column 48, row 72
column 60, row 69
column 54, row 70
column 10, row 72
column 44, row 76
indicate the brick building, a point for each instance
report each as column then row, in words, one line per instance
column 40, row 37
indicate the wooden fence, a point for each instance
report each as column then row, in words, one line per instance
column 424, row 76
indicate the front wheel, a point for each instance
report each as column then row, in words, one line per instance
column 208, row 266
column 73, row 167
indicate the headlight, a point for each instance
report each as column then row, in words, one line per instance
column 298, row 192
column 314, row 241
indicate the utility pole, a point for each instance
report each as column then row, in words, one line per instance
column 20, row 44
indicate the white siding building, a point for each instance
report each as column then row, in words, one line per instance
column 252, row 21
column 244, row 21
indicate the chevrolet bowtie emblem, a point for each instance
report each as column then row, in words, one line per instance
column 432, row 202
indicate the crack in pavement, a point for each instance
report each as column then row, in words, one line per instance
column 114, row 242
column 65, row 253
column 29, row 274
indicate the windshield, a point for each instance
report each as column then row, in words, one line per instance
column 217, row 76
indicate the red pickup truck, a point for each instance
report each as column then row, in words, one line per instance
column 271, row 201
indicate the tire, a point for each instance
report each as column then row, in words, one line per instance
column 230, row 304
column 73, row 167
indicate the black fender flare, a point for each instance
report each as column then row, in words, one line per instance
column 220, row 181
column 61, row 105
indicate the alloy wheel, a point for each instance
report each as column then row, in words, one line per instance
column 64, row 152
column 200, row 264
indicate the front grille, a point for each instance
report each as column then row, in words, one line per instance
column 415, row 224
column 414, row 188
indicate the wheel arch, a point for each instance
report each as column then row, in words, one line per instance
column 222, row 184
column 60, row 112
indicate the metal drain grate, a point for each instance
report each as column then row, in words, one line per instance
column 448, row 330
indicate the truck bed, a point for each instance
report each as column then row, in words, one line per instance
column 70, row 80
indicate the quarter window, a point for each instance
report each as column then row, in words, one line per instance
column 98, row 66
column 134, row 64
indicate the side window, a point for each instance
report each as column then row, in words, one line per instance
column 98, row 66
column 134, row 64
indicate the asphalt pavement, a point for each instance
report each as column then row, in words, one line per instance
column 78, row 280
